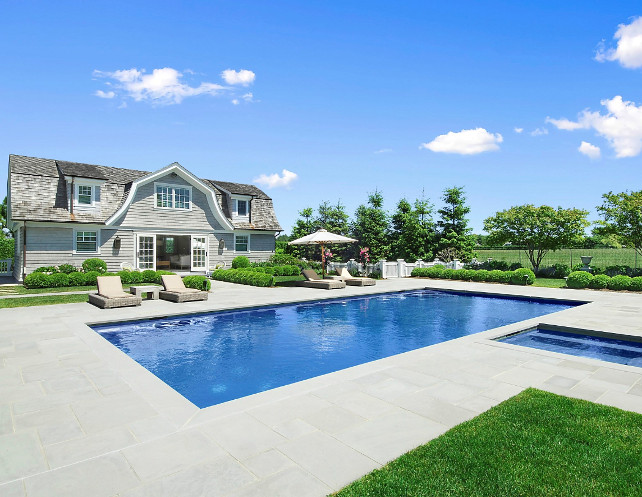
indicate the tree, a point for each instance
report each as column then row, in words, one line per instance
column 334, row 219
column 455, row 240
column 3, row 218
column 303, row 226
column 370, row 227
column 622, row 213
column 537, row 229
column 412, row 231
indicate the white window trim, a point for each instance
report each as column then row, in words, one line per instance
column 173, row 186
column 249, row 236
column 235, row 208
column 92, row 183
column 76, row 230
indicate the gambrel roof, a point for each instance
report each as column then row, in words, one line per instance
column 39, row 192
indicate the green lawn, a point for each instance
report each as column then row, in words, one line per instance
column 43, row 300
column 21, row 290
column 535, row 444
column 601, row 257
column 550, row 282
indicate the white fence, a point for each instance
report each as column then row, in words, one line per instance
column 5, row 267
column 392, row 269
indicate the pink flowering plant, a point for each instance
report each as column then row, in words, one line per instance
column 364, row 257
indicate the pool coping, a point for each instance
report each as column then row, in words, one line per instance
column 185, row 418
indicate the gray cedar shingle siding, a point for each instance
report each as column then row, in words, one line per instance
column 39, row 192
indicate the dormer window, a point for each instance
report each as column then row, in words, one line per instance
column 86, row 192
column 241, row 207
column 85, row 195
column 173, row 197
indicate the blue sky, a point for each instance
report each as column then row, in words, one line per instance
column 346, row 97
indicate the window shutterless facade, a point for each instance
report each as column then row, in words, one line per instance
column 241, row 243
column 86, row 242
column 173, row 197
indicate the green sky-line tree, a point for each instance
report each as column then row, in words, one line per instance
column 455, row 240
column 622, row 218
column 537, row 229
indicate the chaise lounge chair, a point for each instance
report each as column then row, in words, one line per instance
column 345, row 276
column 175, row 290
column 110, row 294
column 313, row 281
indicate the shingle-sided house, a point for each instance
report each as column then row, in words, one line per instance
column 65, row 212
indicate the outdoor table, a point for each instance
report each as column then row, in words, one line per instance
column 151, row 291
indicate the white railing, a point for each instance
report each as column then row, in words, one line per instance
column 5, row 267
column 392, row 269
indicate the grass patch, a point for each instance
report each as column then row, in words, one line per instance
column 602, row 257
column 21, row 290
column 44, row 300
column 535, row 444
column 550, row 282
column 287, row 280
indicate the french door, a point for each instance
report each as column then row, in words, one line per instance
column 146, row 252
column 199, row 253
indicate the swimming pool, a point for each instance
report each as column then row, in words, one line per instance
column 578, row 344
column 219, row 356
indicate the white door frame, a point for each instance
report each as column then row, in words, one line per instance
column 138, row 239
column 205, row 241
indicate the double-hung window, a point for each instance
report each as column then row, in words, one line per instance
column 85, row 195
column 242, row 243
column 241, row 208
column 87, row 241
column 173, row 197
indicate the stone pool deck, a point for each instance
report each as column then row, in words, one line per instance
column 80, row 418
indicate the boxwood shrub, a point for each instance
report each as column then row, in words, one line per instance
column 66, row 268
column 36, row 279
column 198, row 282
column 240, row 262
column 481, row 275
column 77, row 279
column 600, row 281
column 94, row 264
column 620, row 282
column 636, row 284
column 57, row 280
column 579, row 279
column 243, row 276
column 522, row 276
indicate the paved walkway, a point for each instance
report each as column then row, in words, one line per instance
column 80, row 418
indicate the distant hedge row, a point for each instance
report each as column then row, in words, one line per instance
column 583, row 279
column 56, row 280
column 520, row 276
column 245, row 276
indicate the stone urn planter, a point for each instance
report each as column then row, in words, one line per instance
column 586, row 260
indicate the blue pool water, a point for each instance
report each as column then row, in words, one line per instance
column 216, row 357
column 606, row 349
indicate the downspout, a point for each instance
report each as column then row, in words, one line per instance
column 71, row 199
column 24, row 250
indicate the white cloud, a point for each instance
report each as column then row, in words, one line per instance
column 564, row 124
column 383, row 151
column 162, row 86
column 248, row 97
column 629, row 46
column 621, row 125
column 589, row 150
column 465, row 142
column 274, row 180
column 518, row 130
column 242, row 77
column 105, row 94
column 235, row 101
column 539, row 132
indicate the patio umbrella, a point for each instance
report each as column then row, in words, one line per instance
column 322, row 237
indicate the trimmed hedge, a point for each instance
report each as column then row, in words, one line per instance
column 240, row 262
column 600, row 281
column 39, row 279
column 636, row 284
column 244, row 277
column 620, row 282
column 496, row 275
column 579, row 279
column 522, row 276
column 276, row 270
column 95, row 264
column 198, row 282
